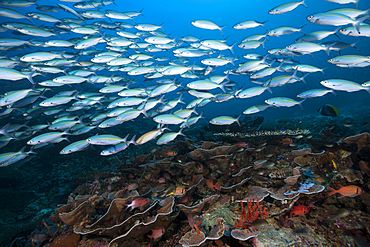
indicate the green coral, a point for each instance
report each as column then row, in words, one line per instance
column 219, row 211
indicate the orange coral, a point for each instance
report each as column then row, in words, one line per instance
column 254, row 212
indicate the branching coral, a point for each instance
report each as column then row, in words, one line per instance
column 255, row 212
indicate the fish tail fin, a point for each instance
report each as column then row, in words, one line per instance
column 354, row 44
column 337, row 111
column 29, row 19
column 237, row 120
column 29, row 77
column 269, row 89
column 125, row 139
column 303, row 3
column 263, row 24
column 327, row 49
column 333, row 191
column 263, row 42
column 194, row 110
column 132, row 141
column 359, row 20
column 180, row 100
column 3, row 130
column 300, row 102
column 144, row 112
column 231, row 48
column 22, row 150
column 180, row 133
column 302, row 78
column 222, row 86
column 161, row 101
column 221, row 30
column 187, row 122
column 322, row 71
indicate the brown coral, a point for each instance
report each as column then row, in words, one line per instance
column 66, row 241
column 361, row 140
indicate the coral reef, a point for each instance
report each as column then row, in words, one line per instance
column 210, row 193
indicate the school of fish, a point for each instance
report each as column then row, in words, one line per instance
column 111, row 51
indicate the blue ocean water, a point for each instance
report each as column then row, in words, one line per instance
column 176, row 17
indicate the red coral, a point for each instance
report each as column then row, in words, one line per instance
column 254, row 212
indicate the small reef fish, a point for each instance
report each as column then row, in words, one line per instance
column 192, row 224
column 157, row 233
column 139, row 202
column 169, row 154
column 211, row 185
column 299, row 210
column 260, row 223
column 350, row 191
column 286, row 141
column 364, row 166
column 132, row 186
column 329, row 110
column 343, row 212
column 180, row 191
column 334, row 163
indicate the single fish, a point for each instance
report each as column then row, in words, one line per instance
column 105, row 140
column 255, row 109
column 299, row 210
column 14, row 75
column 313, row 93
column 151, row 135
column 335, row 19
column 75, row 147
column 284, row 102
column 169, row 119
column 344, row 85
column 344, row 1
column 340, row 213
column 118, row 147
column 139, row 202
column 47, row 137
column 249, row 24
column 157, row 233
column 286, row 7
column 225, row 120
column 364, row 166
column 329, row 110
column 204, row 24
column 168, row 137
column 350, row 191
